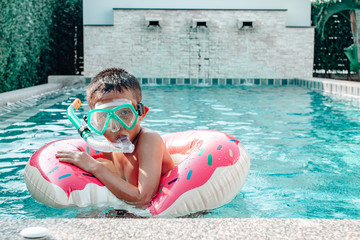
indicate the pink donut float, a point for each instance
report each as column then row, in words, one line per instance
column 214, row 168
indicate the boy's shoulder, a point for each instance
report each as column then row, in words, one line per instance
column 149, row 138
column 148, row 133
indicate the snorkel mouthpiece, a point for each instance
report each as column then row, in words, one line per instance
column 123, row 144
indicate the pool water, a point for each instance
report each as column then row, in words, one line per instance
column 304, row 146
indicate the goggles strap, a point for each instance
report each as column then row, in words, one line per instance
column 140, row 109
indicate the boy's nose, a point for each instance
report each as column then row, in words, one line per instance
column 114, row 125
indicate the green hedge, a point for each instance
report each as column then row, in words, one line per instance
column 329, row 54
column 37, row 39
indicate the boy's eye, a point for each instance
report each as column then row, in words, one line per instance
column 123, row 112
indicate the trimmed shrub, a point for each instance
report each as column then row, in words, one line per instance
column 329, row 56
column 37, row 39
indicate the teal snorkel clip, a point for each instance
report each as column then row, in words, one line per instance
column 123, row 145
column 81, row 127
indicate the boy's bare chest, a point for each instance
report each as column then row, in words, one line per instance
column 128, row 168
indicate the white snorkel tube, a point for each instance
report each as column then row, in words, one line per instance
column 123, row 145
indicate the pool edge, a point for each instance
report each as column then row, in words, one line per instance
column 187, row 228
column 329, row 86
column 54, row 83
column 22, row 94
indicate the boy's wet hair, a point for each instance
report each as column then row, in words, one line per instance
column 112, row 79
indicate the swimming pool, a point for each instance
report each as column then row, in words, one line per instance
column 304, row 146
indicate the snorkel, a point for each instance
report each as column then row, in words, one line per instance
column 123, row 145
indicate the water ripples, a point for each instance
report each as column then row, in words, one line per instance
column 303, row 146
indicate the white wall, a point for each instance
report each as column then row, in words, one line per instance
column 100, row 12
column 270, row 50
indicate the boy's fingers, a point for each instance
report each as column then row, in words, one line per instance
column 64, row 158
column 67, row 160
column 60, row 155
column 64, row 152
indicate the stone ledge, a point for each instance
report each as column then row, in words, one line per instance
column 66, row 80
column 331, row 86
column 21, row 94
column 183, row 228
column 55, row 82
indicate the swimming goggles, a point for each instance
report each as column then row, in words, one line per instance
column 113, row 115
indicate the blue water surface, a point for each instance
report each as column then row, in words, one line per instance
column 304, row 146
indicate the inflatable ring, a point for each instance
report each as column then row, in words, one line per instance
column 214, row 170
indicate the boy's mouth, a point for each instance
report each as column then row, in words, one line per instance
column 122, row 138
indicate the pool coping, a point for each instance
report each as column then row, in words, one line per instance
column 54, row 83
column 329, row 86
column 10, row 97
column 186, row 228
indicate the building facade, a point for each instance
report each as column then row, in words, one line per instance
column 183, row 42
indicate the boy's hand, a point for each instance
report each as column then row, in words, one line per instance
column 80, row 159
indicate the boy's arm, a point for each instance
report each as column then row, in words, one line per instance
column 150, row 154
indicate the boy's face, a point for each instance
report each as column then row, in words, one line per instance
column 111, row 135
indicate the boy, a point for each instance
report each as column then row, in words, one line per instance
column 137, row 175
